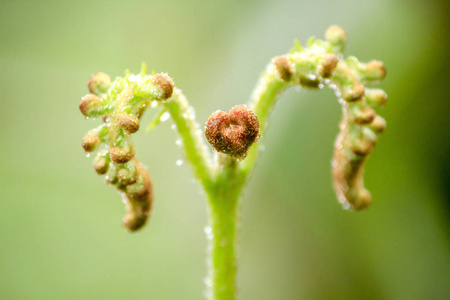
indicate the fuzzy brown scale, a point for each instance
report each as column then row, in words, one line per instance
column 232, row 133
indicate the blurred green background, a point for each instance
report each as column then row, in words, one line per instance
column 60, row 225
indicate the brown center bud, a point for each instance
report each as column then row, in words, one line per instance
column 165, row 84
column 283, row 67
column 232, row 133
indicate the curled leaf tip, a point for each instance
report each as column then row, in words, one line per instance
column 233, row 133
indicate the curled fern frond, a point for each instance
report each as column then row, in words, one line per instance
column 322, row 64
column 232, row 133
column 121, row 104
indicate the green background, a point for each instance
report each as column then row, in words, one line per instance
column 60, row 225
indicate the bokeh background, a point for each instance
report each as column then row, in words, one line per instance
column 60, row 225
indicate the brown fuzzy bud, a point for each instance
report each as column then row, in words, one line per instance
column 121, row 155
column 101, row 164
column 128, row 123
column 232, row 133
column 354, row 94
column 165, row 84
column 376, row 97
column 283, row 67
column 374, row 71
column 99, row 83
column 378, row 125
column 337, row 37
column 329, row 63
column 89, row 104
column 363, row 115
column 90, row 142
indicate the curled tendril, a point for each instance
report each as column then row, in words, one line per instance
column 121, row 104
column 320, row 64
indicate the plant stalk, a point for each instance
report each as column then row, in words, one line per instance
column 222, row 232
column 222, row 238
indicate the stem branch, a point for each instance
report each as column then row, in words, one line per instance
column 194, row 146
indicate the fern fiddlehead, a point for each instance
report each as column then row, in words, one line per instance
column 122, row 102
column 322, row 64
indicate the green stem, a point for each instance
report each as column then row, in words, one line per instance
column 222, row 233
column 266, row 93
column 194, row 145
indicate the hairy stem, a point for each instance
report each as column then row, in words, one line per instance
column 266, row 93
column 222, row 233
column 194, row 145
